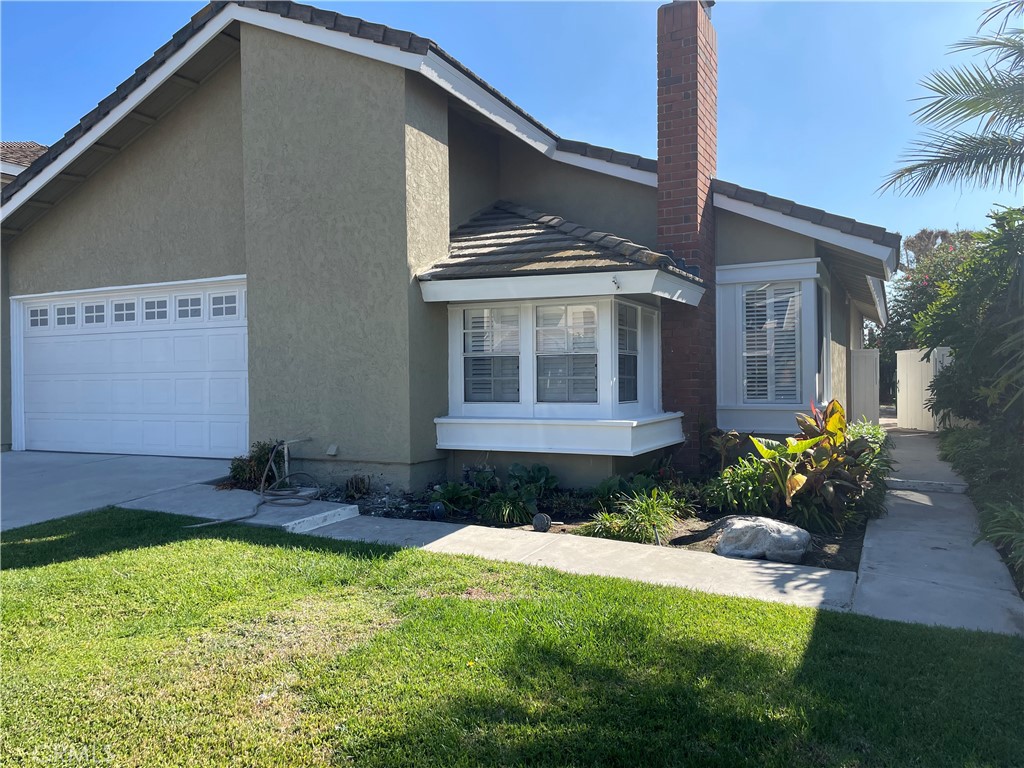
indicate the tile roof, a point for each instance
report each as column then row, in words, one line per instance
column 814, row 215
column 378, row 33
column 508, row 240
column 20, row 152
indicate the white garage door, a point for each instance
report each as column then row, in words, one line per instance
column 159, row 370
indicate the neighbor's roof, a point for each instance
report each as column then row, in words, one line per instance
column 508, row 240
column 814, row 215
column 377, row 33
column 20, row 152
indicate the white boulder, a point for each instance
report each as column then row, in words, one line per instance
column 763, row 537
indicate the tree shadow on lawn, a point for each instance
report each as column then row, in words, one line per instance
column 112, row 529
column 865, row 692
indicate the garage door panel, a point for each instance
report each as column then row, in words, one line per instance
column 174, row 387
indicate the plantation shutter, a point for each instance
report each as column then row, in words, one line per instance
column 771, row 343
column 491, row 355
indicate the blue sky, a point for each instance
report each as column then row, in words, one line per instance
column 814, row 98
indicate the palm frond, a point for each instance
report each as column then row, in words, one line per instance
column 1005, row 49
column 966, row 93
column 963, row 159
column 1007, row 9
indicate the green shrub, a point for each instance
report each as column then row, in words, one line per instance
column 740, row 489
column 538, row 478
column 567, row 505
column 508, row 508
column 247, row 471
column 1003, row 525
column 640, row 517
column 457, row 497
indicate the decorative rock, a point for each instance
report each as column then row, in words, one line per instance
column 541, row 522
column 763, row 537
column 437, row 510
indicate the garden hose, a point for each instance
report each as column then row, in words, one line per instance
column 275, row 494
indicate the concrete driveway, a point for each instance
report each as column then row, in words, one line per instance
column 37, row 486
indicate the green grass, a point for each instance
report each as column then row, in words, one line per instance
column 130, row 640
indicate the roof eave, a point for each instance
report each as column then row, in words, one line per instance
column 653, row 282
column 887, row 256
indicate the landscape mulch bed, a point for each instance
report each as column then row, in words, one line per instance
column 697, row 533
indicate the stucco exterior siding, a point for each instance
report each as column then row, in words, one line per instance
column 427, row 163
column 839, row 344
column 595, row 200
column 740, row 240
column 474, row 165
column 169, row 207
column 325, row 236
column 572, row 471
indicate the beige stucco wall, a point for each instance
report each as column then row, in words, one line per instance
column 624, row 208
column 839, row 344
column 167, row 208
column 739, row 240
column 572, row 471
column 474, row 165
column 342, row 347
column 426, row 189
column 325, row 237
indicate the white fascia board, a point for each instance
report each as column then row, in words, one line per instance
column 430, row 65
column 878, row 294
column 646, row 281
column 768, row 271
column 861, row 245
column 11, row 169
column 647, row 178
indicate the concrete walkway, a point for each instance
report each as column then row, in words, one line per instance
column 702, row 571
column 920, row 563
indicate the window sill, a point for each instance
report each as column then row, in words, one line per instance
column 764, row 418
column 597, row 437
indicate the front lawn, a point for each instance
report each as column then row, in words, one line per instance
column 130, row 640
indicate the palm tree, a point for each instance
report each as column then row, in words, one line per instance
column 975, row 115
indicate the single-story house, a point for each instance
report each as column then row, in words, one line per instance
column 292, row 223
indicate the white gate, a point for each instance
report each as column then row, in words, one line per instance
column 913, row 376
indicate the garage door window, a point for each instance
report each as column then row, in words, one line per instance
column 224, row 306
column 39, row 317
column 190, row 307
column 154, row 309
column 65, row 315
column 94, row 314
column 124, row 311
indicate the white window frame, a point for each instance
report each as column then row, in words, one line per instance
column 213, row 295
column 607, row 406
column 190, row 318
column 104, row 310
column 734, row 411
column 57, row 316
column 123, row 301
column 772, row 398
column 168, row 304
column 42, row 314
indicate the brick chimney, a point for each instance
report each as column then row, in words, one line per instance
column 687, row 149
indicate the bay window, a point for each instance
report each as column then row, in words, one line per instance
column 578, row 375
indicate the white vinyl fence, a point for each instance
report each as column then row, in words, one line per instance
column 913, row 375
column 864, row 385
